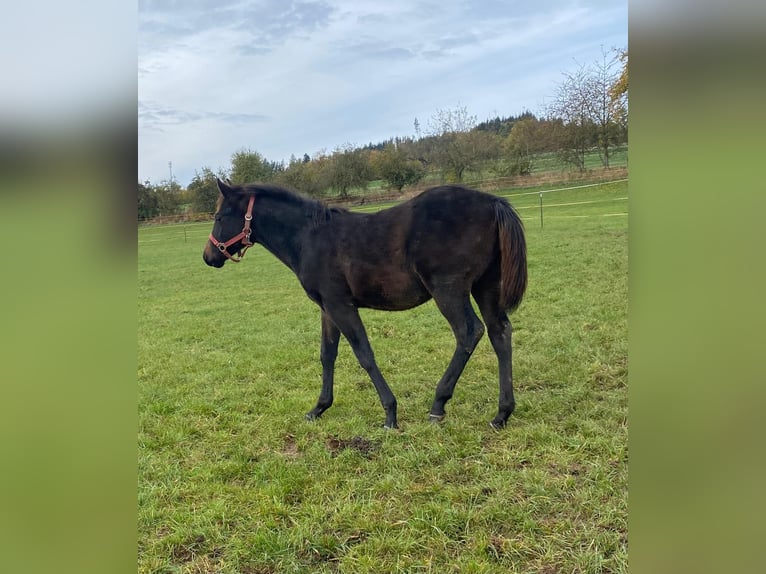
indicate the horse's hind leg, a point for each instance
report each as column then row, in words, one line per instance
column 499, row 330
column 328, row 354
column 468, row 330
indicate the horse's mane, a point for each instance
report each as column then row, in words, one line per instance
column 316, row 210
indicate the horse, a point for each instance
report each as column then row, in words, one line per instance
column 447, row 244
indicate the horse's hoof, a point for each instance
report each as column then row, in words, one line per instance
column 311, row 417
column 497, row 425
column 391, row 427
column 435, row 419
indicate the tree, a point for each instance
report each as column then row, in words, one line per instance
column 308, row 176
column 547, row 135
column 503, row 126
column 450, row 121
column 591, row 114
column 349, row 168
column 204, row 191
column 618, row 95
column 620, row 87
column 248, row 166
column 605, row 109
column 454, row 145
column 528, row 137
column 148, row 202
column 397, row 169
column 519, row 147
column 572, row 104
column 160, row 199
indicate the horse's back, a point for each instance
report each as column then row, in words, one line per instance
column 453, row 232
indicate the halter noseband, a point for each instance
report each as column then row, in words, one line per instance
column 244, row 235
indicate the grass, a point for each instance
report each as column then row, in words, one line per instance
column 551, row 161
column 233, row 480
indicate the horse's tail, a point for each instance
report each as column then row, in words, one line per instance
column 513, row 255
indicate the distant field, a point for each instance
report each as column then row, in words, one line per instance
column 233, row 480
column 542, row 163
column 551, row 162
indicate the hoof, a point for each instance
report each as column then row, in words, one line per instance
column 497, row 425
column 435, row 419
column 391, row 427
column 311, row 417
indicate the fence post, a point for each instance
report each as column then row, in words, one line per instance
column 541, row 210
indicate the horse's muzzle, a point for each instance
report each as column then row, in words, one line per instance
column 213, row 259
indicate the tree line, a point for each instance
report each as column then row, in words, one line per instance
column 588, row 111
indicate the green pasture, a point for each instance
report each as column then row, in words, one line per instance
column 232, row 479
column 551, row 161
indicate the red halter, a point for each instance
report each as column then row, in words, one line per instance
column 244, row 235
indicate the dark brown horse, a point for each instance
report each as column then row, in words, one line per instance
column 448, row 243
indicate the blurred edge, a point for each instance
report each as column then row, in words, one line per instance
column 697, row 121
column 68, row 151
column 67, row 214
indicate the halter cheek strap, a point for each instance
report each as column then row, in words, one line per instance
column 243, row 235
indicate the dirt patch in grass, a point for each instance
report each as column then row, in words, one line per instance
column 289, row 447
column 259, row 570
column 186, row 551
column 363, row 446
column 572, row 469
column 496, row 547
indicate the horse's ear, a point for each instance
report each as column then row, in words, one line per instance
column 223, row 188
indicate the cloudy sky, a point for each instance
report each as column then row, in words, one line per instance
column 289, row 77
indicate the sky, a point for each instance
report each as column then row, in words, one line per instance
column 290, row 77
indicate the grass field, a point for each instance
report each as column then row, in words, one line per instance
column 551, row 161
column 233, row 480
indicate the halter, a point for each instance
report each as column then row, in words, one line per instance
column 244, row 235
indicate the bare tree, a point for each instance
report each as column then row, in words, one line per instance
column 450, row 121
column 455, row 145
column 571, row 104
column 604, row 108
column 591, row 114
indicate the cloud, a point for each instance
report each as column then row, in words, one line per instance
column 266, row 23
column 293, row 76
column 373, row 49
column 155, row 116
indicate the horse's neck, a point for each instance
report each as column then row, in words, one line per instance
column 280, row 229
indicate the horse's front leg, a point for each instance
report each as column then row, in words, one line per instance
column 328, row 354
column 346, row 317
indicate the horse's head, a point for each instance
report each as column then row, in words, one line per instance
column 231, row 230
